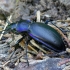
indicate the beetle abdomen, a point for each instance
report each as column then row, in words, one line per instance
column 47, row 36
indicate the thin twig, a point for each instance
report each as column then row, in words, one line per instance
column 38, row 46
column 5, row 27
column 63, row 20
column 66, row 39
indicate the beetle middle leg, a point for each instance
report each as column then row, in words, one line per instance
column 27, row 40
column 26, row 46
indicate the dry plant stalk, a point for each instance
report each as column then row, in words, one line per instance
column 1, row 28
column 63, row 36
column 38, row 16
column 38, row 46
column 5, row 27
column 63, row 20
column 32, row 49
column 22, row 43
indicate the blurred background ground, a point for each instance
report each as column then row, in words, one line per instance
column 26, row 10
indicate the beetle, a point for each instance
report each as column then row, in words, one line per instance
column 41, row 33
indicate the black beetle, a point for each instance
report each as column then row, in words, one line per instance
column 40, row 32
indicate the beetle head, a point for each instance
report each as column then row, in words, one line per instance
column 11, row 27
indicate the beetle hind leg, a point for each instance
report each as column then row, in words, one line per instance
column 26, row 46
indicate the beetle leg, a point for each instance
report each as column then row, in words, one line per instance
column 20, row 39
column 26, row 46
